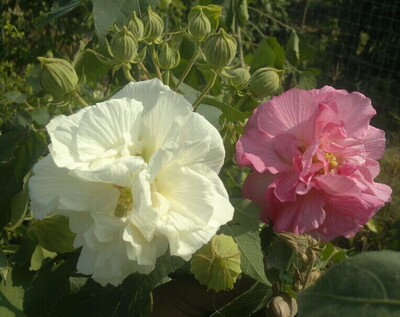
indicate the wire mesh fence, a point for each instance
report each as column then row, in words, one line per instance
column 358, row 43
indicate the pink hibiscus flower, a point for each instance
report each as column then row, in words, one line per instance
column 313, row 159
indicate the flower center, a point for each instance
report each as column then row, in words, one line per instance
column 332, row 162
column 125, row 202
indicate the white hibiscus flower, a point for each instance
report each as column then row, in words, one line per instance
column 136, row 175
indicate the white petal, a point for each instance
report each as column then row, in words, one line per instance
column 52, row 189
column 198, row 128
column 62, row 131
column 163, row 122
column 147, row 92
column 109, row 129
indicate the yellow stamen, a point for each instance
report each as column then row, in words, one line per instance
column 125, row 202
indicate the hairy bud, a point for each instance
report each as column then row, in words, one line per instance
column 153, row 26
column 265, row 82
column 168, row 58
column 124, row 46
column 136, row 27
column 57, row 76
column 220, row 49
column 199, row 25
column 239, row 77
column 217, row 264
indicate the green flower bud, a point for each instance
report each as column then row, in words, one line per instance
column 153, row 26
column 168, row 58
column 265, row 82
column 217, row 264
column 124, row 46
column 57, row 76
column 239, row 77
column 283, row 306
column 164, row 4
column 220, row 49
column 199, row 25
column 136, row 27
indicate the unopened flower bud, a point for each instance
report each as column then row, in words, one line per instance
column 153, row 26
column 239, row 77
column 57, row 76
column 124, row 46
column 265, row 82
column 220, row 49
column 283, row 306
column 168, row 58
column 217, row 264
column 136, row 27
column 164, row 4
column 199, row 26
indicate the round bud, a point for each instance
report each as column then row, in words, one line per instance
column 265, row 82
column 57, row 76
column 153, row 26
column 283, row 306
column 164, row 4
column 168, row 58
column 220, row 49
column 217, row 264
column 239, row 77
column 199, row 26
column 136, row 27
column 124, row 46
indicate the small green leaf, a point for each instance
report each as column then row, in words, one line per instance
column 41, row 116
column 307, row 80
column 15, row 97
column 366, row 285
column 244, row 228
column 292, row 48
column 19, row 205
column 38, row 256
column 263, row 57
column 26, row 248
column 53, row 234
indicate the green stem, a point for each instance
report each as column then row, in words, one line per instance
column 167, row 75
column 79, row 99
column 241, row 101
column 240, row 46
column 188, row 67
column 127, row 74
column 270, row 17
column 206, row 89
column 153, row 58
column 144, row 69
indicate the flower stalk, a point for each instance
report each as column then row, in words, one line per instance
column 206, row 89
column 188, row 67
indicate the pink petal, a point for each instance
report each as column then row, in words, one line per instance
column 256, row 186
column 374, row 142
column 289, row 113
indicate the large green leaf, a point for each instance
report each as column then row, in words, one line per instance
column 247, row 303
column 366, row 285
column 268, row 54
column 107, row 12
column 11, row 299
column 137, row 288
column 19, row 150
column 58, row 9
column 244, row 228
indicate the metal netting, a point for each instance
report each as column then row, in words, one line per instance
column 358, row 43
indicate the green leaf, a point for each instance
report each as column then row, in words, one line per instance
column 58, row 9
column 41, row 116
column 26, row 248
column 11, row 299
column 106, row 13
column 268, row 54
column 15, row 97
column 19, row 205
column 307, row 80
column 4, row 268
column 292, row 48
column 247, row 303
column 38, row 257
column 366, row 285
column 50, row 285
column 53, row 234
column 138, row 287
column 244, row 228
